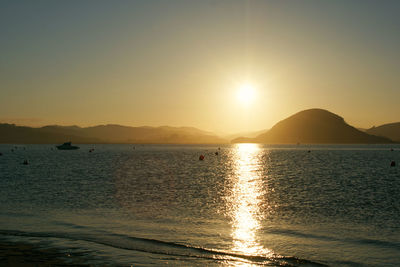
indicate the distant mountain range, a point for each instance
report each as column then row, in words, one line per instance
column 10, row 133
column 391, row 130
column 312, row 126
column 247, row 134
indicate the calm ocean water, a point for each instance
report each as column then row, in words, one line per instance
column 249, row 205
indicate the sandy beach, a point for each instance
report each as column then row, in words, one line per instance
column 19, row 254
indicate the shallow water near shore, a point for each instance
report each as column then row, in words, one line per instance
column 250, row 205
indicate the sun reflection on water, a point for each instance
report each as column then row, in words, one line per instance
column 246, row 201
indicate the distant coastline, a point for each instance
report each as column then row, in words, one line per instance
column 312, row 126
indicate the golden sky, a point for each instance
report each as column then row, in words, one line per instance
column 181, row 63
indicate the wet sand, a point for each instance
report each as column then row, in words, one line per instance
column 19, row 254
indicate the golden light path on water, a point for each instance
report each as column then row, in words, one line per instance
column 246, row 202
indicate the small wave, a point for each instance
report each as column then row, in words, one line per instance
column 165, row 248
column 361, row 241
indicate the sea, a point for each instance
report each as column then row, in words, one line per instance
column 242, row 205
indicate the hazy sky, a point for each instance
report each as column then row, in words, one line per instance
column 180, row 63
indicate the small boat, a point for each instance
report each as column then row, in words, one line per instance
column 67, row 146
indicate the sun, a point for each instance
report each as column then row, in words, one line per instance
column 246, row 94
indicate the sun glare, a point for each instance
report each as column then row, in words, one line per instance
column 246, row 201
column 246, row 94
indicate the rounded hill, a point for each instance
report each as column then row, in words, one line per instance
column 315, row 126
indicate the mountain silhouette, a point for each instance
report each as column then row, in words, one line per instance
column 390, row 130
column 10, row 133
column 314, row 126
column 250, row 134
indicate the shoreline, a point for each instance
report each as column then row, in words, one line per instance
column 27, row 255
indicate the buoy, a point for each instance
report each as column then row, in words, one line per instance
column 309, row 151
column 91, row 150
column 393, row 163
column 201, row 157
column 1, row 154
column 25, row 162
column 391, row 149
column 216, row 153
